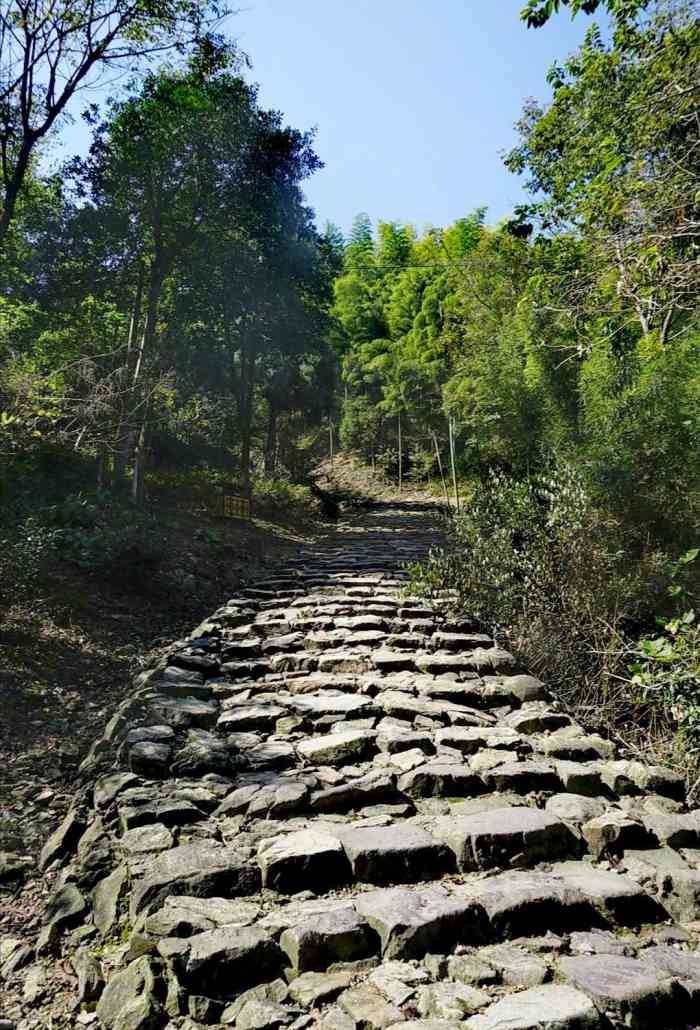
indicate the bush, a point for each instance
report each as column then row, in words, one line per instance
column 523, row 547
column 535, row 563
column 666, row 668
column 89, row 532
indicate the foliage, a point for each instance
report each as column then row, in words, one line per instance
column 51, row 50
column 519, row 549
column 537, row 13
column 666, row 668
column 169, row 305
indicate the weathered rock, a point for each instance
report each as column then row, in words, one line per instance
column 184, row 916
column 106, row 897
column 515, row 966
column 527, row 903
column 552, row 1007
column 470, row 969
column 337, row 936
column 470, row 739
column 394, row 854
column 339, row 748
column 618, row 897
column 373, row 789
column 506, row 836
column 259, row 1015
column 221, row 962
column 525, row 688
column 168, row 811
column 89, row 972
column 683, row 965
column 181, row 713
column 670, row 877
column 305, row 859
column 314, row 988
column 398, row 980
column 614, row 832
column 523, row 777
column 250, row 717
column 436, row 779
column 64, row 839
column 411, row 923
column 150, row 759
column 368, row 1008
column 194, row 869
column 450, row 1001
column 275, row 992
column 107, row 788
column 631, row 990
column 65, row 908
column 573, row 808
column 147, row 839
column 132, row 998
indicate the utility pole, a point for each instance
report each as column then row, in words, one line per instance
column 442, row 474
column 400, row 456
column 451, row 431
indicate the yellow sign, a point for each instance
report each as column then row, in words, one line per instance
column 236, row 507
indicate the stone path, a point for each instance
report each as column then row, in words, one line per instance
column 334, row 806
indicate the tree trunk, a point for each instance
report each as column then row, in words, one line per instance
column 245, row 410
column 125, row 434
column 138, row 480
column 442, row 474
column 271, row 443
column 12, row 190
column 155, row 285
column 451, row 429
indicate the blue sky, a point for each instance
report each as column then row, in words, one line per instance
column 414, row 100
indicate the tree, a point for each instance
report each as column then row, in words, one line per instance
column 615, row 156
column 50, row 50
column 537, row 13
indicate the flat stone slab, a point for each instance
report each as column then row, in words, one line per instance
column 218, row 963
column 506, row 835
column 250, row 717
column 470, row 739
column 202, row 870
column 339, row 748
column 526, row 904
column 442, row 780
column 315, row 705
column 411, row 923
column 551, row 1007
column 635, row 993
column 374, row 788
column 401, row 853
column 306, row 859
column 184, row 916
column 617, row 896
column 523, row 777
column 336, row 936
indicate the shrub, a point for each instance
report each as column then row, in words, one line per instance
column 535, row 563
column 665, row 668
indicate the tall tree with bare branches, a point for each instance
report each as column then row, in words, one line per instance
column 50, row 50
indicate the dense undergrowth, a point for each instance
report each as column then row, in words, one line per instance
column 602, row 613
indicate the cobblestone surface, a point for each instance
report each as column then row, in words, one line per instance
column 332, row 805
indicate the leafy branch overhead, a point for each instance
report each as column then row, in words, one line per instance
column 537, row 13
column 51, row 50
